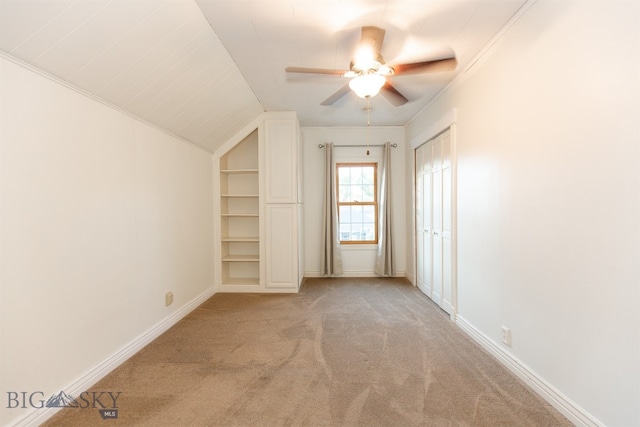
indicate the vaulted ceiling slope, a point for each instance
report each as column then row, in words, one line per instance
column 204, row 69
column 157, row 59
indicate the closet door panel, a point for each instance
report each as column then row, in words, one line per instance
column 434, row 219
column 436, row 293
column 420, row 226
column 447, row 288
column 427, row 259
column 447, row 218
column 423, row 218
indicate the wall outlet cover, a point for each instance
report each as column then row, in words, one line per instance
column 506, row 336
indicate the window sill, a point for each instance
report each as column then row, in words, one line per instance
column 348, row 247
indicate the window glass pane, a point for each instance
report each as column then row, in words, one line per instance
column 345, row 193
column 368, row 175
column 369, row 233
column 368, row 193
column 344, row 175
column 356, row 213
column 356, row 175
column 345, row 231
column 356, row 232
column 368, row 214
column 356, row 193
column 345, row 214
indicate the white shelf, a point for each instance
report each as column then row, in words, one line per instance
column 241, row 281
column 232, row 171
column 241, row 258
column 242, row 196
column 240, row 215
column 241, row 239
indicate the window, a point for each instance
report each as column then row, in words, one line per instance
column 357, row 202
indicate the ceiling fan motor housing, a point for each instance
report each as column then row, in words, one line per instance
column 369, row 66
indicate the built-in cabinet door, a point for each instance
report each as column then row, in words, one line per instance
column 281, row 148
column 282, row 255
column 281, row 197
column 434, row 250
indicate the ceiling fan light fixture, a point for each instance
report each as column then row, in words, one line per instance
column 367, row 85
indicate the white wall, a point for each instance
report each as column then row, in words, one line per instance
column 358, row 260
column 548, row 141
column 100, row 216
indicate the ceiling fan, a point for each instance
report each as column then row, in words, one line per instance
column 368, row 71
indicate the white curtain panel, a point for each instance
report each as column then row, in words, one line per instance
column 385, row 258
column 331, row 264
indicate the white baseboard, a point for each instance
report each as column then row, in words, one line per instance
column 37, row 416
column 255, row 289
column 350, row 274
column 564, row 405
column 410, row 277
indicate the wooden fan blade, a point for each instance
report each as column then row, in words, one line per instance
column 392, row 95
column 374, row 35
column 315, row 71
column 339, row 94
column 437, row 66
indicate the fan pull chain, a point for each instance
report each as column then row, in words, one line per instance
column 368, row 124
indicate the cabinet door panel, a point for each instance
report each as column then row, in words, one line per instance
column 282, row 255
column 281, row 161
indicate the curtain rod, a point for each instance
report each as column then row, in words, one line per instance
column 394, row 145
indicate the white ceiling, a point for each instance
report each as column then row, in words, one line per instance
column 204, row 69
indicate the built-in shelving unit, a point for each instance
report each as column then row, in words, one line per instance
column 240, row 213
column 257, row 207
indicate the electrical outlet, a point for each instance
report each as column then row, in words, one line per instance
column 506, row 336
column 168, row 299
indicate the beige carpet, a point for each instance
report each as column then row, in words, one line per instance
column 342, row 352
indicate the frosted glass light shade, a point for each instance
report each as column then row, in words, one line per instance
column 367, row 85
